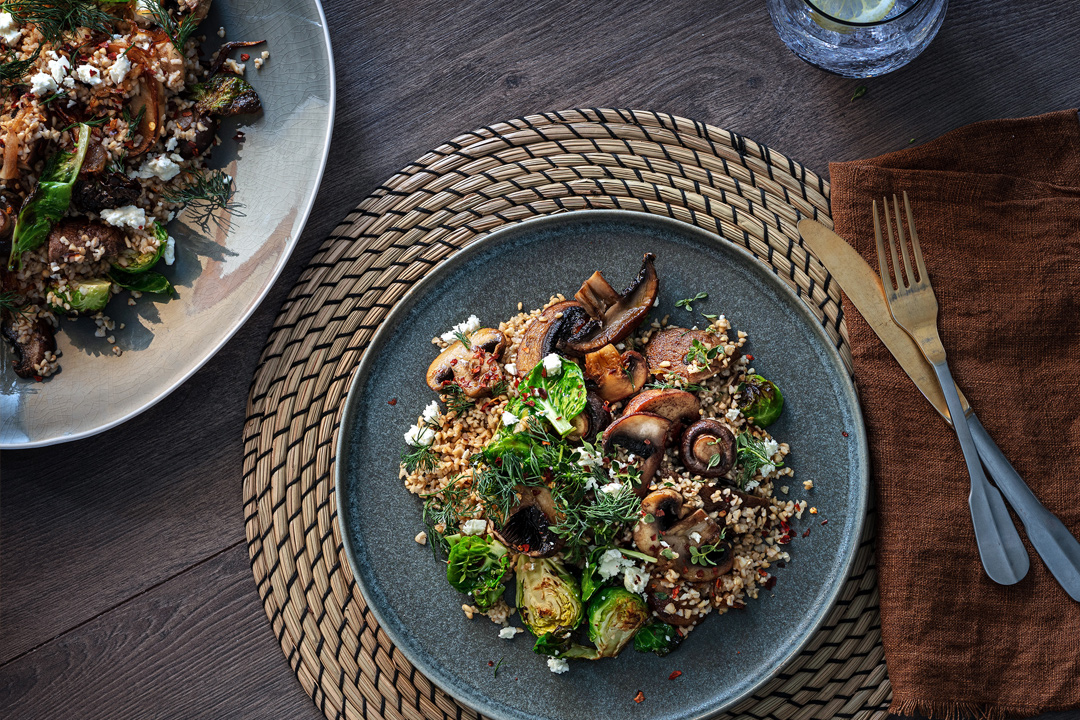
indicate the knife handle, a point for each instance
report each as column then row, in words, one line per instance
column 1058, row 548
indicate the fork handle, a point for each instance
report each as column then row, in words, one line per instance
column 1058, row 548
column 1002, row 553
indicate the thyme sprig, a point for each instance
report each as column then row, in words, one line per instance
column 702, row 555
column 688, row 303
column 701, row 354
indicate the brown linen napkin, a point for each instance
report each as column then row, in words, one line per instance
column 997, row 207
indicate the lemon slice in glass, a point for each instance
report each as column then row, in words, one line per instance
column 852, row 11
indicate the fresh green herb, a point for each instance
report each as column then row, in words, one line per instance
column 56, row 18
column 499, row 388
column 418, row 457
column 521, row 459
column 668, row 553
column 688, row 303
column 602, row 519
column 49, row 200
column 456, row 400
column 714, row 460
column 911, row 141
column 178, row 32
column 709, row 317
column 688, row 387
column 701, row 555
column 497, row 666
column 443, row 508
column 558, row 398
column 859, row 92
column 464, row 339
column 89, row 123
column 10, row 301
column 649, row 519
column 701, row 355
column 750, row 454
column 13, row 70
column 205, row 192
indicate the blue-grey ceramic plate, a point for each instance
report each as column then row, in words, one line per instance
column 728, row 656
column 224, row 268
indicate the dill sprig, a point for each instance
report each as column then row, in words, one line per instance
column 418, row 457
column 10, row 301
column 443, row 508
column 750, row 454
column 206, row 192
column 601, row 519
column 455, row 399
column 178, row 30
column 688, row 387
column 13, row 70
column 56, row 18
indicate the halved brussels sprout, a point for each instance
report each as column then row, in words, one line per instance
column 145, row 261
column 615, row 615
column 762, row 400
column 226, row 94
column 81, row 296
column 548, row 596
column 657, row 637
column 477, row 565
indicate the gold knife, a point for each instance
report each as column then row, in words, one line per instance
column 1058, row 548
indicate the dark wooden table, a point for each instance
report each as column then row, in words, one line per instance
column 126, row 589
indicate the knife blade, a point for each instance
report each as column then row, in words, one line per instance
column 1058, row 548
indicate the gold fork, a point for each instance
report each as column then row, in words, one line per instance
column 915, row 308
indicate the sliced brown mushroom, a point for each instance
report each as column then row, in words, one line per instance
column 149, row 103
column 614, row 316
column 32, row 340
column 616, row 376
column 667, row 354
column 547, row 334
column 661, row 510
column 528, row 526
column 717, row 499
column 708, row 448
column 592, row 421
column 678, row 406
column 680, row 610
column 71, row 240
column 200, row 128
column 474, row 369
column 644, row 435
column 662, row 535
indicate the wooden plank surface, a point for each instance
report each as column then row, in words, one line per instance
column 125, row 586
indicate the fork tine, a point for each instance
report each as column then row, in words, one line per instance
column 915, row 241
column 892, row 246
column 883, row 266
column 903, row 243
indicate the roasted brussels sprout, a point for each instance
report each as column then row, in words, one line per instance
column 614, row 616
column 145, row 261
column 478, row 566
column 657, row 637
column 226, row 94
column 548, row 596
column 79, row 296
column 761, row 401
column 559, row 643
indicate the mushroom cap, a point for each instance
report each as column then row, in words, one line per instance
column 664, row 506
column 644, row 435
column 671, row 345
column 616, row 376
column 678, row 406
column 615, row 315
column 474, row 369
column 592, row 420
column 35, row 344
column 703, row 440
column 679, row 539
column 546, row 332
column 528, row 524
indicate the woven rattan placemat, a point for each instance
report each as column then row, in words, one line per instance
column 497, row 175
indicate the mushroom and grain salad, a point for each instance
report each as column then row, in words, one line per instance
column 616, row 470
column 108, row 116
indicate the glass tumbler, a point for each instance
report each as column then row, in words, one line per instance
column 857, row 49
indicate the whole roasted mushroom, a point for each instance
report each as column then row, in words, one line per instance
column 528, row 525
column 473, row 368
column 644, row 435
column 708, row 448
column 616, row 376
column 614, row 315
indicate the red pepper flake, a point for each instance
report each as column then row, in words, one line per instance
column 491, row 663
column 245, row 57
column 770, row 583
column 640, row 697
column 676, row 593
column 750, row 357
column 392, row 401
column 805, row 534
column 762, row 573
column 825, row 521
column 453, row 361
column 674, row 675
column 844, row 433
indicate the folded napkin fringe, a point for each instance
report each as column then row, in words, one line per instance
column 952, row 710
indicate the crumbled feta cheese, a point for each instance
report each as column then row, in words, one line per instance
column 771, row 447
column 221, row 32
column 89, row 74
column 509, row 418
column 42, row 84
column 612, row 563
column 751, row 485
column 510, row 368
column 431, row 412
column 127, row 216
column 169, row 254
column 58, row 67
column 465, row 328
column 558, row 665
column 474, row 526
column 419, row 436
column 508, row 633
column 732, row 414
column 160, row 167
column 590, row 484
column 635, row 579
column 590, row 459
column 9, row 29
column 552, row 365
column 170, row 144
column 696, row 537
column 612, row 488
column 767, row 469
column 119, row 69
